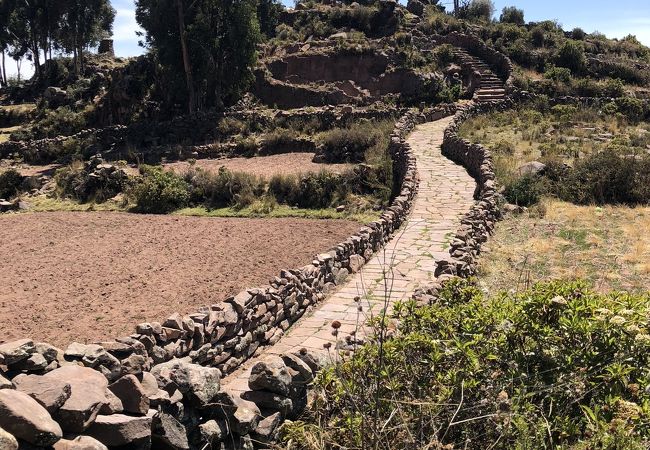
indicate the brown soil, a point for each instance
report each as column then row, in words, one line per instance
column 91, row 276
column 266, row 166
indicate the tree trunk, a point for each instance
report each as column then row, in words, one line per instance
column 18, row 62
column 37, row 61
column 186, row 58
column 3, row 75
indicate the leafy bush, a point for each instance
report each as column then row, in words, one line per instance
column 311, row 190
column 159, row 191
column 572, row 56
column 523, row 191
column 351, row 144
column 607, row 177
column 559, row 74
column 10, row 183
column 578, row 34
column 511, row 14
column 445, row 55
column 224, row 188
column 480, row 10
column 556, row 366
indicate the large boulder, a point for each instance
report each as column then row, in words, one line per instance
column 24, row 418
column 532, row 168
column 87, row 396
column 200, row 384
column 120, row 430
column 50, row 393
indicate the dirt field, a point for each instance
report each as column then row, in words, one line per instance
column 266, row 166
column 90, row 276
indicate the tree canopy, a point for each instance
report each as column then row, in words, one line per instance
column 206, row 47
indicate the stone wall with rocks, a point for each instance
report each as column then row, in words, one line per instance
column 160, row 385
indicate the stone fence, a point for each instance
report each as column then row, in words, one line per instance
column 160, row 384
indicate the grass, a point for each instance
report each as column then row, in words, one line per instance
column 566, row 134
column 279, row 211
column 43, row 203
column 608, row 246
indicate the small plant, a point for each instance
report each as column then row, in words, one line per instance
column 523, row 191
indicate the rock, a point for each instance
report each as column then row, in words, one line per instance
column 244, row 420
column 49, row 352
column 167, row 432
column 200, row 384
column 212, row 432
column 24, row 418
column 356, row 263
column 267, row 429
column 270, row 400
column 7, row 441
column 114, row 405
column 174, row 321
column 149, row 384
column 87, row 396
column 131, row 393
column 50, row 393
column 270, row 375
column 315, row 361
column 532, row 168
column 35, row 362
column 80, row 443
column 118, row 429
column 240, row 301
column 16, row 351
column 416, row 7
column 304, row 372
column 4, row 383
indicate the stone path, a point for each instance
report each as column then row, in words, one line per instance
column 408, row 260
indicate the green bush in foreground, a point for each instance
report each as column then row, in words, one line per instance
column 557, row 366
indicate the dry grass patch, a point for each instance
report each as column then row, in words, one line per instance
column 608, row 246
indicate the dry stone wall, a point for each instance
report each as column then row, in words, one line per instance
column 160, row 385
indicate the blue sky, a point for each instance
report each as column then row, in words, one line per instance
column 614, row 18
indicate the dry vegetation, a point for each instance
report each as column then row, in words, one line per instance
column 608, row 246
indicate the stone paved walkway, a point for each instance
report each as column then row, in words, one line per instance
column 444, row 195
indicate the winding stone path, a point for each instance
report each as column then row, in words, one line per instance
column 408, row 260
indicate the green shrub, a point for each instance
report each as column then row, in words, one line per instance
column 559, row 74
column 10, row 183
column 572, row 56
column 608, row 178
column 351, row 144
column 445, row 55
column 578, row 34
column 284, row 188
column 159, row 191
column 555, row 366
column 224, row 188
column 511, row 14
column 523, row 191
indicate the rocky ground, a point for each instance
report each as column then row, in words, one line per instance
column 92, row 276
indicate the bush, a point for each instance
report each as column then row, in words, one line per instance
column 224, row 188
column 608, row 178
column 159, row 191
column 555, row 366
column 523, row 191
column 311, row 190
column 558, row 74
column 511, row 14
column 578, row 34
column 480, row 10
column 351, row 144
column 93, row 181
column 10, row 183
column 572, row 56
column 445, row 55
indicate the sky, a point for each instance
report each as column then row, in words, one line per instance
column 615, row 19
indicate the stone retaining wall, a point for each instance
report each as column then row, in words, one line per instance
column 160, row 385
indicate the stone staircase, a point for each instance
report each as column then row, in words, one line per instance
column 491, row 88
